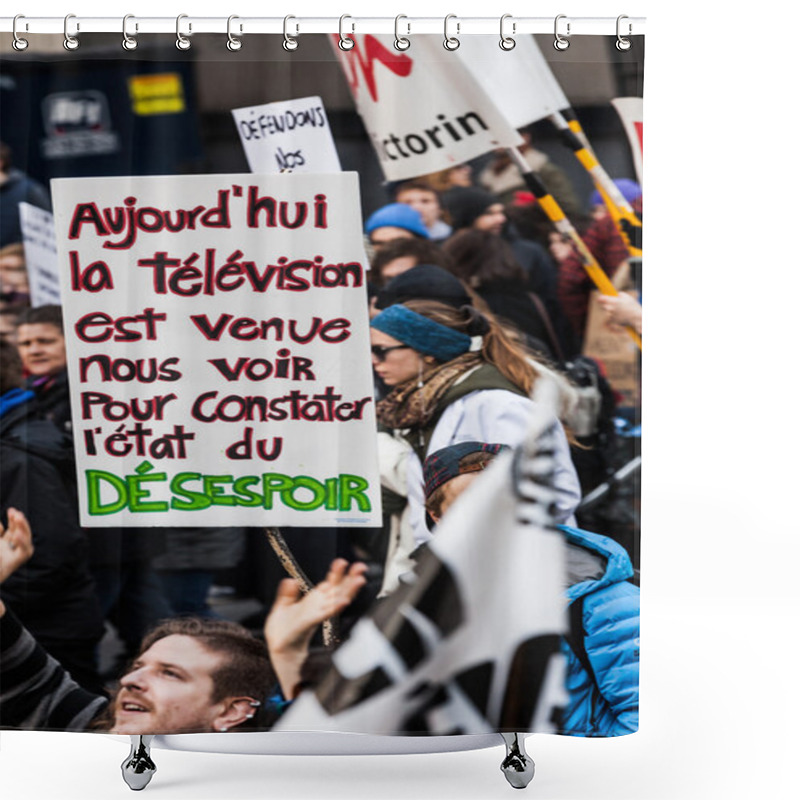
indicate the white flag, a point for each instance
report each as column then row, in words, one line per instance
column 472, row 645
column 519, row 81
column 423, row 110
column 630, row 111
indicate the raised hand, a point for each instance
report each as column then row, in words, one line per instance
column 16, row 543
column 294, row 617
column 16, row 546
column 621, row 310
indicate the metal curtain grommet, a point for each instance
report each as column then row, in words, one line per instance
column 129, row 42
column 345, row 42
column 289, row 42
column 182, row 42
column 401, row 42
column 70, row 42
column 234, row 43
column 19, row 44
column 622, row 43
column 451, row 42
column 561, row 43
column 507, row 42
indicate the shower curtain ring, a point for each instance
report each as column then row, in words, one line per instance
column 507, row 42
column 129, row 42
column 345, row 42
column 451, row 42
column 622, row 43
column 234, row 43
column 290, row 42
column 401, row 42
column 19, row 44
column 561, row 43
column 182, row 42
column 70, row 42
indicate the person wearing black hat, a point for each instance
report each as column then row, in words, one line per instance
column 486, row 264
column 424, row 282
column 471, row 208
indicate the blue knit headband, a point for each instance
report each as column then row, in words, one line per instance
column 423, row 334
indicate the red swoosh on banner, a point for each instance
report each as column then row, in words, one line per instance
column 367, row 51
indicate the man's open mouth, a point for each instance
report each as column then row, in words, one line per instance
column 133, row 707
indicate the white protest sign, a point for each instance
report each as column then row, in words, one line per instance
column 630, row 110
column 217, row 348
column 519, row 81
column 41, row 256
column 422, row 109
column 293, row 134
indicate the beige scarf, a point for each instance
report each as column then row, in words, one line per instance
column 410, row 405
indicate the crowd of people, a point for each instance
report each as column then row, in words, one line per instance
column 473, row 299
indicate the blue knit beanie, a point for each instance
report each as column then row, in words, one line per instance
column 397, row 215
column 422, row 334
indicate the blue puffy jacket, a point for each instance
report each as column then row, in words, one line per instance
column 607, row 702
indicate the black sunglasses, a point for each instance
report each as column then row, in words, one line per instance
column 380, row 352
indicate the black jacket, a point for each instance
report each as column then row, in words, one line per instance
column 53, row 593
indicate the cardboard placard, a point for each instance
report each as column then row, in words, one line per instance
column 616, row 351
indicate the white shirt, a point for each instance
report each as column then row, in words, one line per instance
column 495, row 416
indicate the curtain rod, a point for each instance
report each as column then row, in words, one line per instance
column 298, row 25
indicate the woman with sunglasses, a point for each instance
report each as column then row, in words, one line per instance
column 455, row 376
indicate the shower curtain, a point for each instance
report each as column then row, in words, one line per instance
column 199, row 244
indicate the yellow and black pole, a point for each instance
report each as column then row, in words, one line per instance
column 628, row 224
column 562, row 224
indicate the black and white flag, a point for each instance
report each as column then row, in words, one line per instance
column 472, row 645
